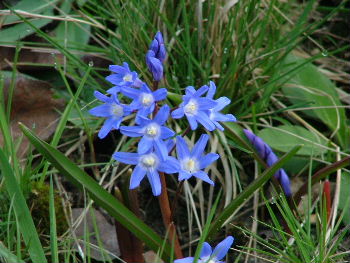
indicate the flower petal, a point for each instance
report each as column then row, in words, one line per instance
column 178, row 113
column 130, row 92
column 204, row 119
column 125, row 157
column 182, row 148
column 153, row 178
column 199, row 147
column 170, row 165
column 222, row 248
column 166, row 132
column 113, row 90
column 132, row 131
column 192, row 121
column 136, row 177
column 184, row 175
column 106, row 128
column 206, row 250
column 184, row 260
column 160, row 94
column 162, row 115
column 98, row 95
column 144, row 145
column 222, row 102
column 206, row 104
column 201, row 91
column 190, row 90
column 211, row 90
column 161, row 149
column 203, row 176
column 103, row 110
column 207, row 160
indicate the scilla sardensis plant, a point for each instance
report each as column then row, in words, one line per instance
column 155, row 156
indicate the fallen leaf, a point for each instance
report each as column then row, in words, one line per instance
column 106, row 230
column 33, row 105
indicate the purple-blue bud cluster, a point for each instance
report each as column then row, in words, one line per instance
column 265, row 152
column 155, row 57
column 156, row 139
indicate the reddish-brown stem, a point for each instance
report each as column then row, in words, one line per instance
column 167, row 218
column 174, row 203
column 327, row 197
column 319, row 175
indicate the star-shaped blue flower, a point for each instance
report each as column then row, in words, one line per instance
column 196, row 108
column 123, row 78
column 153, row 132
column 148, row 164
column 112, row 109
column 144, row 100
column 209, row 256
column 214, row 114
column 193, row 162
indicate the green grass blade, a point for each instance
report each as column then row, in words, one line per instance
column 24, row 218
column 98, row 194
column 53, row 232
column 249, row 191
column 7, row 255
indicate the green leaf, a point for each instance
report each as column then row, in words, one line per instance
column 344, row 197
column 24, row 219
column 21, row 30
column 98, row 194
column 284, row 138
column 77, row 35
column 30, row 6
column 309, row 85
column 248, row 192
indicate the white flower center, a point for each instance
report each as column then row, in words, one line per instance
column 147, row 99
column 127, row 77
column 117, row 110
column 208, row 260
column 190, row 165
column 149, row 160
column 152, row 130
column 191, row 107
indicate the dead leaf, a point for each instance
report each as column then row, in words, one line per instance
column 29, row 55
column 107, row 233
column 34, row 106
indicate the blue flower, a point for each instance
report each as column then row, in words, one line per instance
column 153, row 132
column 112, row 109
column 196, row 108
column 215, row 116
column 193, row 162
column 209, row 256
column 144, row 100
column 266, row 153
column 158, row 47
column 154, row 65
column 123, row 78
column 148, row 164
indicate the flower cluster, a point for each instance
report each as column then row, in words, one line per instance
column 156, row 142
column 266, row 153
column 207, row 255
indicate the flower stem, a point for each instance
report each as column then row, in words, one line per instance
column 167, row 218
